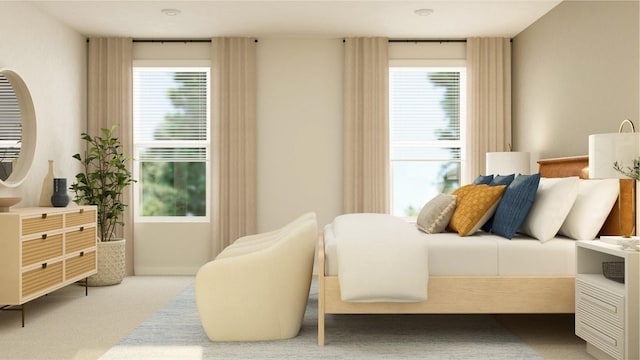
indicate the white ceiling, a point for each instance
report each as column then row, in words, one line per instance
column 452, row 19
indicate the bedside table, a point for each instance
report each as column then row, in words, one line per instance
column 606, row 310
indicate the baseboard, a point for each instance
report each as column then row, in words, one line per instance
column 166, row 270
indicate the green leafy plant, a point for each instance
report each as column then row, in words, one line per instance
column 632, row 172
column 103, row 180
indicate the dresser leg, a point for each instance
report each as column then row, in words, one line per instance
column 86, row 286
column 12, row 308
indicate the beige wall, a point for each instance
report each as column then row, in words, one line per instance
column 51, row 59
column 575, row 73
column 299, row 130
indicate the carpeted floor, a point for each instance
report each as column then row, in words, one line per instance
column 175, row 332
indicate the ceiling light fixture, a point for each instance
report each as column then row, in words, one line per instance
column 423, row 12
column 170, row 12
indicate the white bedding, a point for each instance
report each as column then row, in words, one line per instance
column 381, row 259
column 481, row 255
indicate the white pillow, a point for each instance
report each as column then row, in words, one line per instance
column 554, row 199
column 591, row 208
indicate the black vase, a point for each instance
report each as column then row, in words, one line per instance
column 60, row 198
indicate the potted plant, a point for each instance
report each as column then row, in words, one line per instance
column 103, row 179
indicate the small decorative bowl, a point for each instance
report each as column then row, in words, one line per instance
column 8, row 202
column 629, row 243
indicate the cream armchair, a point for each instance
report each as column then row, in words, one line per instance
column 257, row 288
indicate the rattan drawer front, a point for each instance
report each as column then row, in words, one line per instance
column 599, row 302
column 41, row 278
column 79, row 240
column 80, row 217
column 41, row 224
column 82, row 265
column 42, row 249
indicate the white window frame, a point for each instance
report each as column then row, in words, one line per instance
column 186, row 65
column 434, row 65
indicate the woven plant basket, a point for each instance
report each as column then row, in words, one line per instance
column 111, row 263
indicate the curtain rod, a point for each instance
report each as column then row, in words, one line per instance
column 423, row 40
column 177, row 40
column 426, row 40
column 173, row 40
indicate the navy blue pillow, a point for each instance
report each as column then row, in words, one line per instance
column 497, row 180
column 515, row 205
column 502, row 180
column 483, row 179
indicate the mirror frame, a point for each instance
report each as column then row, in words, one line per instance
column 29, row 133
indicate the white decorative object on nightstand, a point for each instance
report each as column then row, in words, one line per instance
column 607, row 310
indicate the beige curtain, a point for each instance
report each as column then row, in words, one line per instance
column 109, row 102
column 489, row 100
column 233, row 126
column 366, row 125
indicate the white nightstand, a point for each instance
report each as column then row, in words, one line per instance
column 606, row 310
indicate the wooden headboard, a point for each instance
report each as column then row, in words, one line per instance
column 579, row 166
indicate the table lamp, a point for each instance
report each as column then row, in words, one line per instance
column 508, row 162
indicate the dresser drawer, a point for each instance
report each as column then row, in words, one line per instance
column 42, row 278
column 41, row 224
column 78, row 240
column 600, row 302
column 41, row 249
column 80, row 217
column 601, row 334
column 82, row 264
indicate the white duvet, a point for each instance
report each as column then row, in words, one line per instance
column 381, row 258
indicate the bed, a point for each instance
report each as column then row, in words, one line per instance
column 506, row 290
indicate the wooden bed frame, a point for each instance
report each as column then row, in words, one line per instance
column 480, row 294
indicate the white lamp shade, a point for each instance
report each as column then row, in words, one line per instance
column 511, row 162
column 605, row 149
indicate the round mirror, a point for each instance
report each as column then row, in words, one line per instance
column 17, row 129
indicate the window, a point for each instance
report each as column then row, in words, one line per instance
column 171, row 142
column 427, row 114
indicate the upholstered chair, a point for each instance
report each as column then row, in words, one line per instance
column 257, row 288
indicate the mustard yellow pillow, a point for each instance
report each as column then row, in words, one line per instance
column 475, row 205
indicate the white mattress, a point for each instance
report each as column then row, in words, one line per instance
column 483, row 255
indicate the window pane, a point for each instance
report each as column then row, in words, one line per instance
column 425, row 135
column 425, row 105
column 170, row 105
column 416, row 182
column 173, row 188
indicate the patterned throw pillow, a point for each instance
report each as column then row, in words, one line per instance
column 515, row 205
column 436, row 213
column 475, row 205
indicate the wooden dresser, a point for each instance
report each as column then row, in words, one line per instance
column 44, row 249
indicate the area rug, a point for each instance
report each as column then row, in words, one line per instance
column 174, row 332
